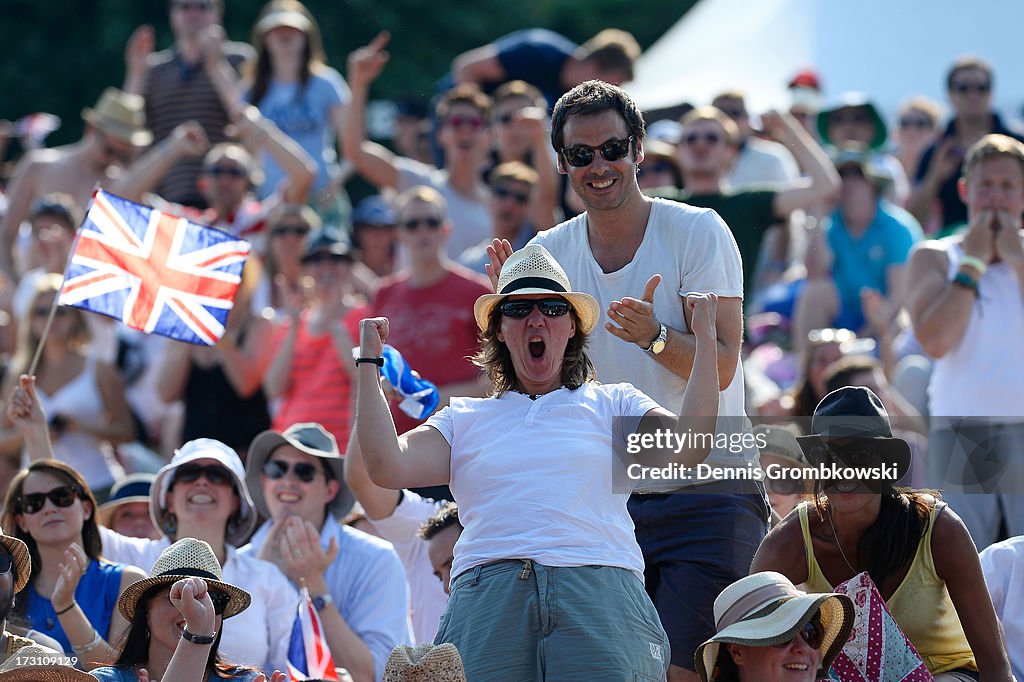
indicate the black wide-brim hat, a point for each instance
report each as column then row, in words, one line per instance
column 854, row 415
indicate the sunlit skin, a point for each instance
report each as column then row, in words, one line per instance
column 996, row 184
column 537, row 345
column 186, row 23
column 285, row 41
column 441, row 550
column 132, row 520
column 704, row 156
column 53, row 525
column 974, row 103
column 53, row 238
column 423, row 242
column 797, row 662
column 508, row 213
column 289, row 496
column 513, row 141
column 822, row 356
column 851, row 125
column 602, row 185
column 166, row 622
column 202, row 502
column 464, row 143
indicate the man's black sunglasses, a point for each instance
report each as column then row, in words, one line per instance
column 581, row 155
column 275, row 469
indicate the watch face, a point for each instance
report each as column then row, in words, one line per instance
column 657, row 346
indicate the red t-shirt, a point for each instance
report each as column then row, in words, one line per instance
column 318, row 389
column 432, row 327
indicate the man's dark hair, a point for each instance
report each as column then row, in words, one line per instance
column 593, row 97
column 445, row 517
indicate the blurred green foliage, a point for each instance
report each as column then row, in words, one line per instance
column 60, row 54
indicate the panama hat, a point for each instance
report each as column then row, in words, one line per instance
column 853, row 414
column 203, row 448
column 532, row 270
column 186, row 558
column 34, row 663
column 132, row 488
column 22, row 559
column 121, row 115
column 779, row 442
column 765, row 609
column 312, row 439
column 425, row 663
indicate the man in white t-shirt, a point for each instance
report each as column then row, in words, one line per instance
column 640, row 257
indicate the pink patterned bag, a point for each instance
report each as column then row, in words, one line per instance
column 877, row 650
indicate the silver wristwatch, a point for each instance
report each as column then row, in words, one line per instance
column 658, row 344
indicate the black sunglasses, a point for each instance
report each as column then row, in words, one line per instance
column 63, row 496
column 711, row 138
column 214, row 473
column 327, row 257
column 197, row 6
column 297, row 230
column 582, row 155
column 504, row 119
column 220, row 601
column 275, row 469
column 813, row 633
column 43, row 312
column 233, row 171
column 505, row 193
column 964, row 88
column 414, row 223
column 921, row 123
column 550, row 307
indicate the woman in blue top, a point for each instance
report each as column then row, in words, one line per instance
column 72, row 592
column 293, row 87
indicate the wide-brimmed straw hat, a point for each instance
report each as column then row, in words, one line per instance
column 532, row 270
column 854, row 414
column 22, row 559
column 203, row 448
column 122, row 115
column 424, row 663
column 32, row 663
column 310, row 438
column 186, row 558
column 765, row 609
column 131, row 488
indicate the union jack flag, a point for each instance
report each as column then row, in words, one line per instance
column 155, row 272
column 309, row 657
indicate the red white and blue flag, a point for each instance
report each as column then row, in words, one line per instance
column 155, row 272
column 309, row 657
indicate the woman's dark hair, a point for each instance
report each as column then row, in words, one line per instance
column 134, row 644
column 312, row 54
column 891, row 542
column 495, row 358
column 91, row 543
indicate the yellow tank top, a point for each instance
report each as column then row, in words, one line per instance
column 920, row 605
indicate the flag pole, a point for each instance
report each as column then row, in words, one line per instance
column 56, row 297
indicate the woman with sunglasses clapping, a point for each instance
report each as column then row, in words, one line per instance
column 72, row 592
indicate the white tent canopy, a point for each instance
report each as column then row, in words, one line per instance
column 891, row 49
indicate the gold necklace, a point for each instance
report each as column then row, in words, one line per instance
column 835, row 535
